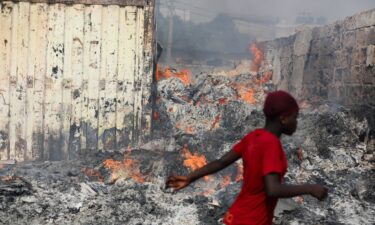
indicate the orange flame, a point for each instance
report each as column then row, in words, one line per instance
column 160, row 74
column 130, row 164
column 193, row 160
column 258, row 57
column 184, row 75
column 127, row 168
column 93, row 173
column 247, row 94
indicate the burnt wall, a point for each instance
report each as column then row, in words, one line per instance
column 333, row 64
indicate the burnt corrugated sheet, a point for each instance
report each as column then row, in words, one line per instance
column 74, row 77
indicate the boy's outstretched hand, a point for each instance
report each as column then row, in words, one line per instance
column 177, row 182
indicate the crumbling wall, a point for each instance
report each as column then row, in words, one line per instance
column 332, row 64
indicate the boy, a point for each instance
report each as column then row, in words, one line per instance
column 264, row 163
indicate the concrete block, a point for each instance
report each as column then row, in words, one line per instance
column 368, row 96
column 368, row 75
column 302, row 43
column 340, row 58
column 355, row 75
column 353, row 94
column 370, row 56
column 363, row 19
column 359, row 56
column 365, row 36
column 348, row 39
column 341, row 74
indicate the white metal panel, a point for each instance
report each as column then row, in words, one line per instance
column 73, row 77
column 5, row 52
column 139, row 66
column 66, row 106
column 53, row 86
column 91, row 73
column 77, row 77
column 31, row 56
column 108, row 78
column 127, row 55
column 38, row 35
column 19, row 43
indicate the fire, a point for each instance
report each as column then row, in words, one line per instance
column 226, row 181
column 239, row 176
column 131, row 165
column 193, row 160
column 93, row 173
column 258, row 57
column 160, row 74
column 246, row 94
column 184, row 75
column 112, row 164
column 127, row 168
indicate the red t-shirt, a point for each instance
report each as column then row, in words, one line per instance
column 262, row 153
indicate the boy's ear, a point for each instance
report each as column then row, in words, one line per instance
column 283, row 119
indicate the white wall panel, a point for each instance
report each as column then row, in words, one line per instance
column 74, row 77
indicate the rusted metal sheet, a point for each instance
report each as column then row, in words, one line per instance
column 74, row 77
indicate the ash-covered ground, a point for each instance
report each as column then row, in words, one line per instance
column 195, row 123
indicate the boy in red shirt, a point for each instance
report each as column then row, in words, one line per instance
column 264, row 163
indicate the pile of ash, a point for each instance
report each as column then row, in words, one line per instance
column 195, row 124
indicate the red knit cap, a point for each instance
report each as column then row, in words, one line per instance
column 279, row 103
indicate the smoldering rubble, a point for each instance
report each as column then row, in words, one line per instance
column 197, row 122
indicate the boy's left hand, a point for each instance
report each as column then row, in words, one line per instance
column 177, row 182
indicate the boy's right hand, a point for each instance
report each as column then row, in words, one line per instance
column 318, row 191
column 177, row 182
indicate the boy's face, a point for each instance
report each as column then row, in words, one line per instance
column 289, row 123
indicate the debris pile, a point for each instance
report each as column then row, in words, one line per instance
column 197, row 123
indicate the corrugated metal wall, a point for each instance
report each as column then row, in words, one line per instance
column 73, row 77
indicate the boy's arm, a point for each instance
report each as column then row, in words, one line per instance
column 275, row 189
column 179, row 182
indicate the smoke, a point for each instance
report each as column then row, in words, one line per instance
column 218, row 30
column 286, row 10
